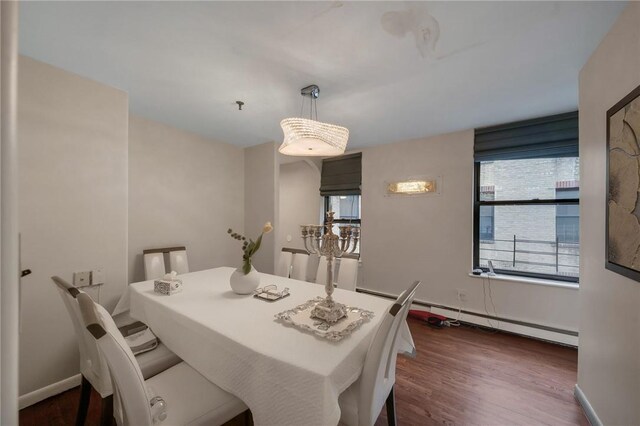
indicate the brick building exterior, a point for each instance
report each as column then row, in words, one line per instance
column 545, row 237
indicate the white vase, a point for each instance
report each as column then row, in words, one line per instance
column 244, row 284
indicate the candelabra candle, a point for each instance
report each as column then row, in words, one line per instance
column 321, row 241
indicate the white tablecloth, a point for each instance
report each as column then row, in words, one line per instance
column 285, row 376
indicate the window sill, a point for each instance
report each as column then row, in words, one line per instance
column 526, row 280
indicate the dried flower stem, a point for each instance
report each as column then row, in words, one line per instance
column 249, row 247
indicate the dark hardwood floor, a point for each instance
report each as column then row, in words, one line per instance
column 469, row 376
column 461, row 376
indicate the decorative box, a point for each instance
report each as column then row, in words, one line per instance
column 167, row 287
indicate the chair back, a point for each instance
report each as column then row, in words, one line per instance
column 125, row 372
column 178, row 261
column 348, row 274
column 299, row 266
column 92, row 365
column 379, row 371
column 321, row 275
column 154, row 265
column 284, row 264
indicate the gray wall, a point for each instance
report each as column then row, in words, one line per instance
column 73, row 207
column 300, row 201
column 261, row 195
column 429, row 237
column 184, row 189
column 97, row 186
column 609, row 352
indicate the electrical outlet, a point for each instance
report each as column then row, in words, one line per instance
column 462, row 295
column 98, row 276
column 82, row 278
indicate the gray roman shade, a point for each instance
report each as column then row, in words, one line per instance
column 545, row 137
column 341, row 175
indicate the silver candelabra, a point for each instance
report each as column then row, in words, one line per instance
column 320, row 240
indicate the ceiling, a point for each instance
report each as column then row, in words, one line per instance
column 388, row 71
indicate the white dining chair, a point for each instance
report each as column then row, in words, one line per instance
column 347, row 274
column 321, row 275
column 284, row 264
column 178, row 260
column 312, row 268
column 153, row 265
column 362, row 402
column 93, row 368
column 177, row 396
column 299, row 266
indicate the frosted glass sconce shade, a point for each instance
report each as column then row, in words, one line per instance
column 411, row 187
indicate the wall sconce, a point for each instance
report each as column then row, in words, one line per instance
column 418, row 186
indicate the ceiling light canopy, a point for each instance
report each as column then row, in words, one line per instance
column 308, row 137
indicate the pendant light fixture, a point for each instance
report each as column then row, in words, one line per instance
column 308, row 137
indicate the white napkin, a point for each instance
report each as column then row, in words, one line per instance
column 171, row 276
column 142, row 341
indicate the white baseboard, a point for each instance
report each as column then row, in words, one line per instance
column 48, row 391
column 586, row 406
column 507, row 326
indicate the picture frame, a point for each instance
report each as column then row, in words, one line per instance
column 622, row 227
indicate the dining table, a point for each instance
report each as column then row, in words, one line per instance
column 285, row 375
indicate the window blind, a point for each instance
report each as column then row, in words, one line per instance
column 545, row 137
column 341, row 175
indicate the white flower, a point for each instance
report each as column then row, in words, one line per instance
column 267, row 228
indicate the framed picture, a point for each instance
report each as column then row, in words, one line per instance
column 623, row 187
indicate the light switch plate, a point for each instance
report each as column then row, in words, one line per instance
column 81, row 278
column 98, row 276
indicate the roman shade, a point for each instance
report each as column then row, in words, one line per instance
column 545, row 137
column 341, row 175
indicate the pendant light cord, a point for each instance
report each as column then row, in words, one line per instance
column 312, row 103
column 315, row 102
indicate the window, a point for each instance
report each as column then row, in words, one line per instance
column 528, row 226
column 526, row 214
column 340, row 184
column 345, row 207
column 567, row 216
column 486, row 215
column 346, row 210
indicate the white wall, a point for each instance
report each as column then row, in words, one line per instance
column 429, row 238
column 73, row 207
column 609, row 352
column 184, row 189
column 300, row 201
column 9, row 215
column 261, row 194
